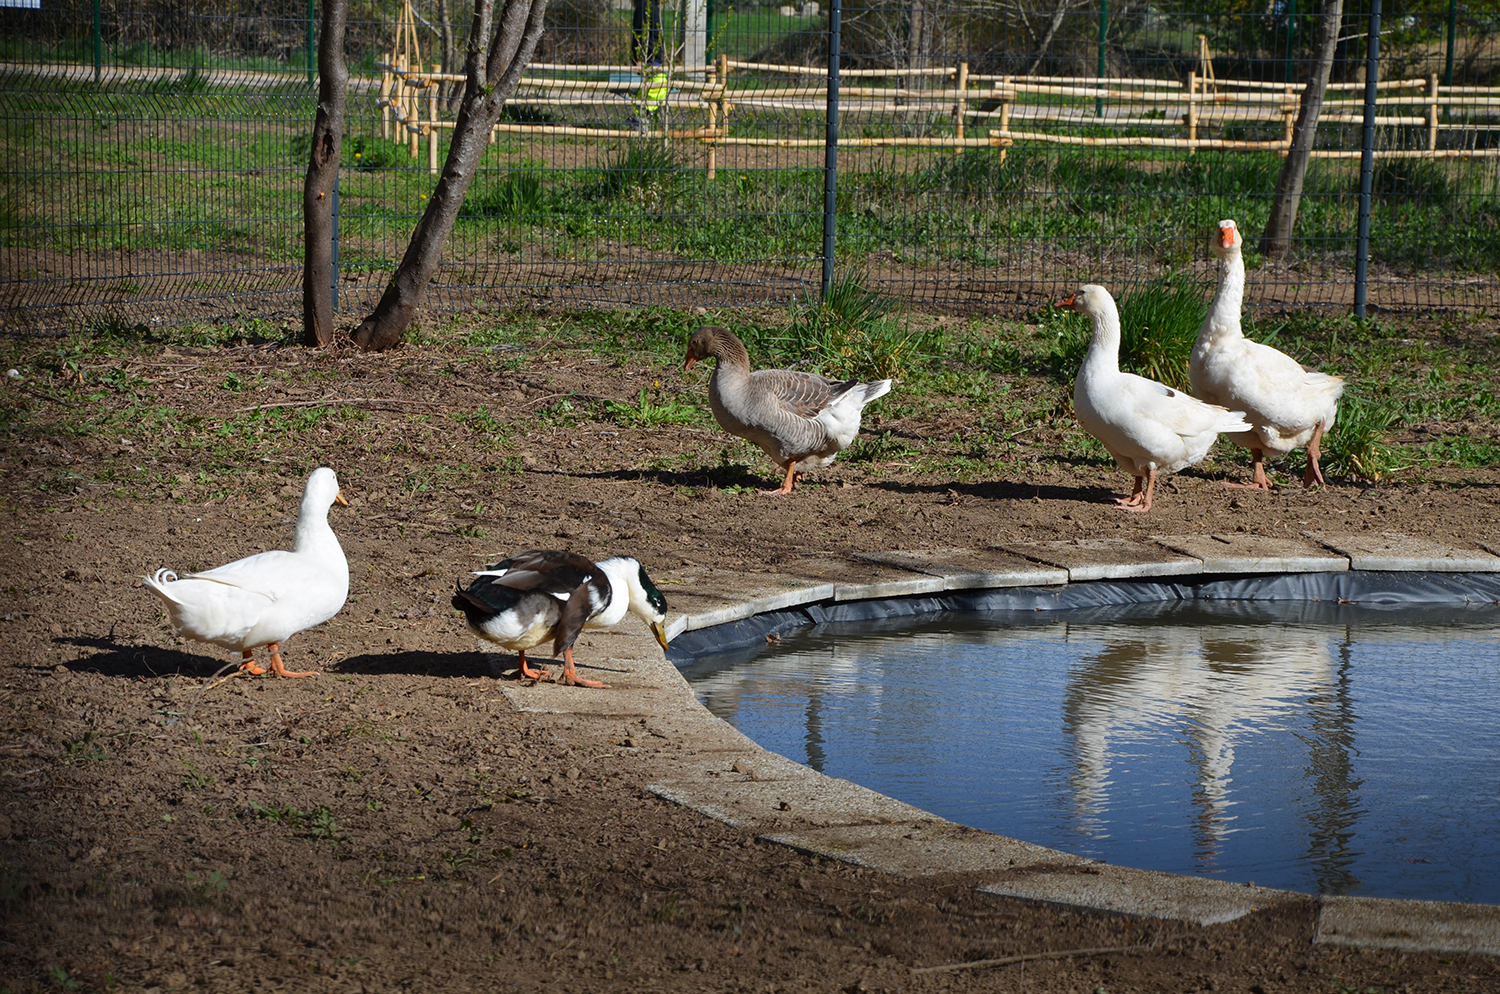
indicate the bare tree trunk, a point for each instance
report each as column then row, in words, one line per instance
column 1046, row 42
column 493, row 67
column 1276, row 241
column 322, row 174
column 450, row 92
column 916, row 43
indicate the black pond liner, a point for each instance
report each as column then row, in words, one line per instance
column 1428, row 598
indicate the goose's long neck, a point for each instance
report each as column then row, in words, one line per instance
column 1223, row 321
column 731, row 359
column 314, row 534
column 1104, row 346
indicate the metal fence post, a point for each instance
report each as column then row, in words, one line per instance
column 1367, row 163
column 1103, row 31
column 311, row 62
column 831, row 146
column 99, row 47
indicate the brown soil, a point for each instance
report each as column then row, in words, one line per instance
column 394, row 824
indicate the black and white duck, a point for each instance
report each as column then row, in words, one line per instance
column 541, row 594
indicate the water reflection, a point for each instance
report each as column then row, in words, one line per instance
column 1245, row 741
column 1208, row 690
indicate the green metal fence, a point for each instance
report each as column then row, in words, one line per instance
column 989, row 157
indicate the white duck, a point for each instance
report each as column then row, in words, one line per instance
column 1289, row 407
column 263, row 600
column 1147, row 426
column 799, row 419
column 542, row 594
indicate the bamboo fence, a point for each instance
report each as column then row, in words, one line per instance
column 1042, row 109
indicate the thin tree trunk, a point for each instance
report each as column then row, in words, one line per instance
column 451, row 92
column 322, row 174
column 493, row 67
column 1046, row 42
column 1276, row 241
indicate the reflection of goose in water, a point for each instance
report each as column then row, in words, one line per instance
column 1209, row 687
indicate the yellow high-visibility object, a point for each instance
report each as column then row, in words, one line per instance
column 656, row 89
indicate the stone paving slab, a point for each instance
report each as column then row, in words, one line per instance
column 817, row 800
column 1108, row 558
column 1415, row 926
column 921, row 848
column 970, row 569
column 1394, row 552
column 704, row 597
column 1241, row 553
column 1146, row 893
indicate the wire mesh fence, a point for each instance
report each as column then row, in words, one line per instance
column 991, row 154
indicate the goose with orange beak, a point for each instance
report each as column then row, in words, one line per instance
column 1288, row 406
column 1147, row 426
column 265, row 599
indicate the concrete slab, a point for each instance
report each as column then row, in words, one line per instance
column 1395, row 552
column 1144, row 893
column 921, row 848
column 1415, row 926
column 970, row 569
column 1239, row 553
column 1108, row 558
column 704, row 597
column 818, row 801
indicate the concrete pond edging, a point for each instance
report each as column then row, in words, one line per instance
column 697, row 760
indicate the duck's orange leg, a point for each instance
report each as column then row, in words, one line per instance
column 528, row 672
column 278, row 668
column 570, row 675
column 249, row 664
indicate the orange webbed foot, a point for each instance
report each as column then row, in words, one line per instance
column 570, row 675
column 278, row 668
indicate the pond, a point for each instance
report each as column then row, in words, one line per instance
column 1321, row 748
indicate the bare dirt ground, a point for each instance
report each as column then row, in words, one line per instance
column 393, row 824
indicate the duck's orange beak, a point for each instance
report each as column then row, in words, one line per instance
column 338, row 498
column 1226, row 235
column 689, row 363
column 1067, row 301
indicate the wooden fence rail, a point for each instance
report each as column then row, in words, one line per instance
column 408, row 97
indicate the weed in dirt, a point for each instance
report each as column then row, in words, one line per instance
column 84, row 750
column 853, row 331
column 196, row 779
column 648, row 413
column 1357, row 444
column 883, row 448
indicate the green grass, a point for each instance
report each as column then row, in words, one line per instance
column 191, row 165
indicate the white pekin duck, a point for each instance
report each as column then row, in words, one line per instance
column 541, row 594
column 801, row 420
column 1147, row 426
column 1288, row 407
column 263, row 600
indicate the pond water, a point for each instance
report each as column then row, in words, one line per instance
column 1346, row 751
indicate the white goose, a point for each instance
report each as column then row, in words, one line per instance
column 1147, row 426
column 1289, row 407
column 263, row 600
column 799, row 419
